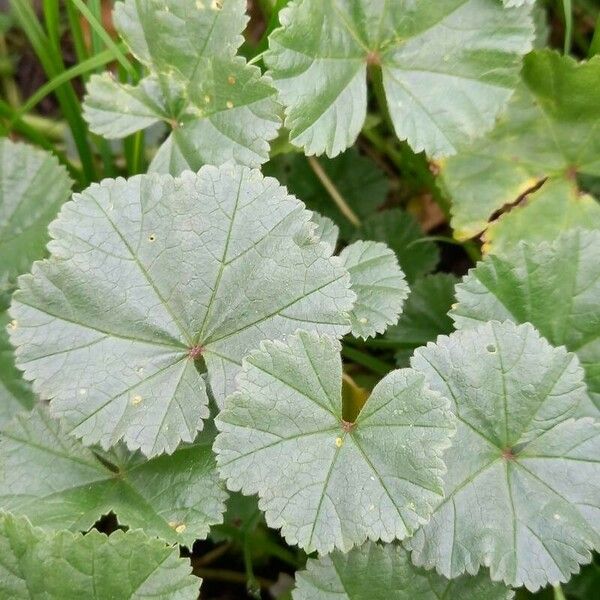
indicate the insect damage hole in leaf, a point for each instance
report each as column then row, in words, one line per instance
column 56, row 482
column 521, row 487
column 328, row 483
column 110, row 322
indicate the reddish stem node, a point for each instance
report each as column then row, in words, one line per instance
column 347, row 426
column 195, row 352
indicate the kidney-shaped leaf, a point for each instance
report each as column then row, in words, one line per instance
column 58, row 483
column 556, row 287
column 325, row 482
column 218, row 107
column 67, row 566
column 522, row 491
column 447, row 68
column 151, row 277
column 374, row 572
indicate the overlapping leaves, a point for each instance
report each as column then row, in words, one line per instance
column 325, row 482
column 153, row 280
column 57, row 483
column 427, row 52
column 522, row 483
column 547, row 136
column 66, row 566
column 555, row 286
column 374, row 571
column 32, row 188
column 218, row 107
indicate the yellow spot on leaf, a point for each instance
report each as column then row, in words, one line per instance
column 136, row 400
column 229, row 104
column 338, row 442
column 13, row 324
column 231, row 79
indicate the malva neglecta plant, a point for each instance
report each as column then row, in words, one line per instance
column 323, row 303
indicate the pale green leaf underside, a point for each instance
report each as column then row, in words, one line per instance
column 447, row 67
column 327, row 484
column 379, row 284
column 522, row 482
column 146, row 271
column 556, row 287
column 425, row 314
column 548, row 130
column 58, row 483
column 218, row 107
column 375, row 572
column 32, row 187
column 67, row 566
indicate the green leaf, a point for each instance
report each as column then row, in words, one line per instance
column 379, row 284
column 32, row 187
column 425, row 314
column 58, row 483
column 546, row 133
column 67, row 566
column 555, row 286
column 403, row 234
column 556, row 207
column 374, row 571
column 325, row 482
column 152, row 278
column 522, row 481
column 359, row 180
column 447, row 68
column 15, row 393
column 218, row 107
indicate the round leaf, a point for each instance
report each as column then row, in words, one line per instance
column 556, row 287
column 522, row 483
column 438, row 61
column 325, row 482
column 218, row 107
column 153, row 277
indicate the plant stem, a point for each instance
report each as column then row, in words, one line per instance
column 252, row 585
column 231, row 577
column 212, row 555
column 99, row 30
column 558, row 592
column 568, row 11
column 366, row 360
column 333, row 191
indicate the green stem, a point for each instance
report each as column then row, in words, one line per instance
column 99, row 30
column 231, row 577
column 252, row 585
column 333, row 191
column 366, row 360
column 558, row 592
column 568, row 13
